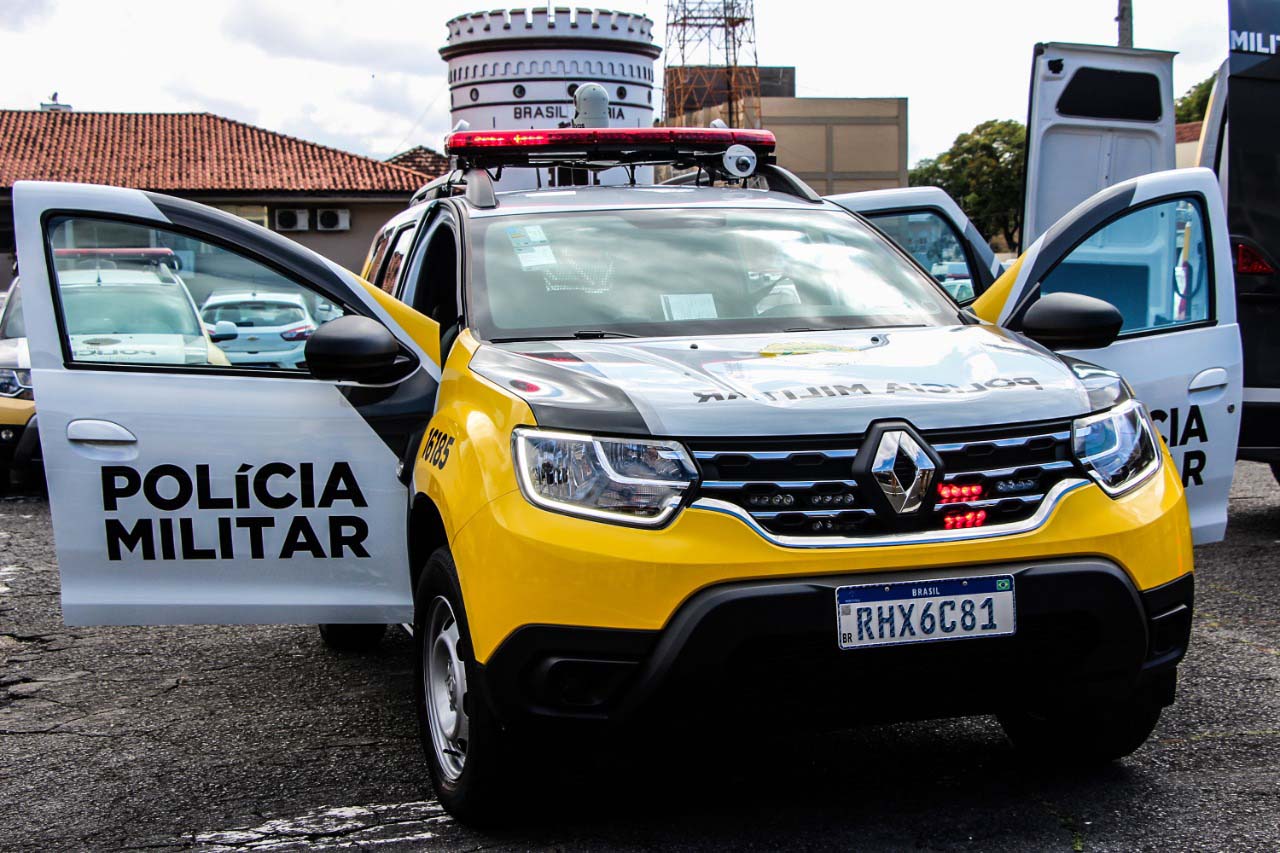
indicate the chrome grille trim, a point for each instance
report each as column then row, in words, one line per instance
column 776, row 455
column 779, row 484
column 1051, row 500
column 987, row 502
column 807, row 513
column 998, row 473
column 1017, row 441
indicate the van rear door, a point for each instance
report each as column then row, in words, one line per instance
column 1097, row 116
column 1241, row 142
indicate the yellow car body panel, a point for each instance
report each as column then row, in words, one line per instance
column 424, row 331
column 16, row 412
column 989, row 305
column 464, row 461
column 522, row 565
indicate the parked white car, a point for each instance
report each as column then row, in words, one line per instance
column 273, row 327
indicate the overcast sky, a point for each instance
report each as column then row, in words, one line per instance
column 366, row 76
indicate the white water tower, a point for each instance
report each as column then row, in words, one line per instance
column 518, row 70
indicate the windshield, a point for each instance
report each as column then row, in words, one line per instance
column 135, row 310
column 255, row 314
column 11, row 325
column 688, row 272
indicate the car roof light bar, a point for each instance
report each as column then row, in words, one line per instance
column 600, row 147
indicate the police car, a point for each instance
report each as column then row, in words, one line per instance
column 719, row 450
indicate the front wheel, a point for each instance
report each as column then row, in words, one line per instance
column 468, row 755
column 1082, row 737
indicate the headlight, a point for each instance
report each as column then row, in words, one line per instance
column 627, row 480
column 1118, row 447
column 15, row 383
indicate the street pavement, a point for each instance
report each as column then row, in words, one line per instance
column 243, row 738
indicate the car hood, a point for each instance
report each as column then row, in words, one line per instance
column 814, row 383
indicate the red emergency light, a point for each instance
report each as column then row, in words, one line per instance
column 604, row 139
column 1249, row 261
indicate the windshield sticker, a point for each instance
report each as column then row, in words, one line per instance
column 689, row 306
column 535, row 256
column 531, row 246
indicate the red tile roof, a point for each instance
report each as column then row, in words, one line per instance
column 183, row 152
column 422, row 159
column 1188, row 131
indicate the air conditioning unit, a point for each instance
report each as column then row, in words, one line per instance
column 333, row 219
column 291, row 219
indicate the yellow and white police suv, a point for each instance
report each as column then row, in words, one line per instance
column 616, row 452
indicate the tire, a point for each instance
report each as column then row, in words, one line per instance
column 468, row 754
column 352, row 638
column 1085, row 736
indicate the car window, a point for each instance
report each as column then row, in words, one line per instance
column 134, row 294
column 1151, row 263
column 11, row 324
column 930, row 239
column 377, row 252
column 395, row 262
column 671, row 272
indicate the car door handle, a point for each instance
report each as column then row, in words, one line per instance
column 99, row 432
column 1208, row 380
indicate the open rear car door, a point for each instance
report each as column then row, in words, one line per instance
column 190, row 484
column 1157, row 248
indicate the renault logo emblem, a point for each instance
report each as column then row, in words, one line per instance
column 903, row 470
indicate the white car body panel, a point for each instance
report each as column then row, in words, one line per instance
column 237, row 447
column 1189, row 378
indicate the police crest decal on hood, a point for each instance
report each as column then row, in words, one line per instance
column 810, row 383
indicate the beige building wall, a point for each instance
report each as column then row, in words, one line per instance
column 347, row 249
column 834, row 144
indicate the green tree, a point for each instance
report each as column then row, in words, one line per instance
column 1191, row 106
column 982, row 171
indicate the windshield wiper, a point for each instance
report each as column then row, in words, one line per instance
column 582, row 334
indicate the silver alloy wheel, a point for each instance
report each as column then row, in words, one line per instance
column 445, row 680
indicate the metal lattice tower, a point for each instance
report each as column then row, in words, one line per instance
column 711, row 61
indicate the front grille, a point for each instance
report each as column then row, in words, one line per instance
column 805, row 486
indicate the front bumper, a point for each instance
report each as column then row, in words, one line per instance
column 745, row 650
column 520, row 565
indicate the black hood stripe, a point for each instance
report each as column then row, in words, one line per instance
column 588, row 404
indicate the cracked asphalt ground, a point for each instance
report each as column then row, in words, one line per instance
column 246, row 738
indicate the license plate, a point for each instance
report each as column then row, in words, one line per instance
column 889, row 614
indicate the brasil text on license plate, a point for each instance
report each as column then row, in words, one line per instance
column 887, row 614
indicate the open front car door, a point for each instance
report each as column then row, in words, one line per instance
column 221, row 412
column 928, row 225
column 1156, row 248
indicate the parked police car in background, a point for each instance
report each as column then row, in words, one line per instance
column 155, row 321
column 617, row 452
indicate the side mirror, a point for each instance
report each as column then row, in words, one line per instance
column 353, row 349
column 1072, row 321
column 224, row 330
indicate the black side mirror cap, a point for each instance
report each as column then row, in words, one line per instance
column 354, row 349
column 1072, row 321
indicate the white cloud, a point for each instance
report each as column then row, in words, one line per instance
column 368, row 76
